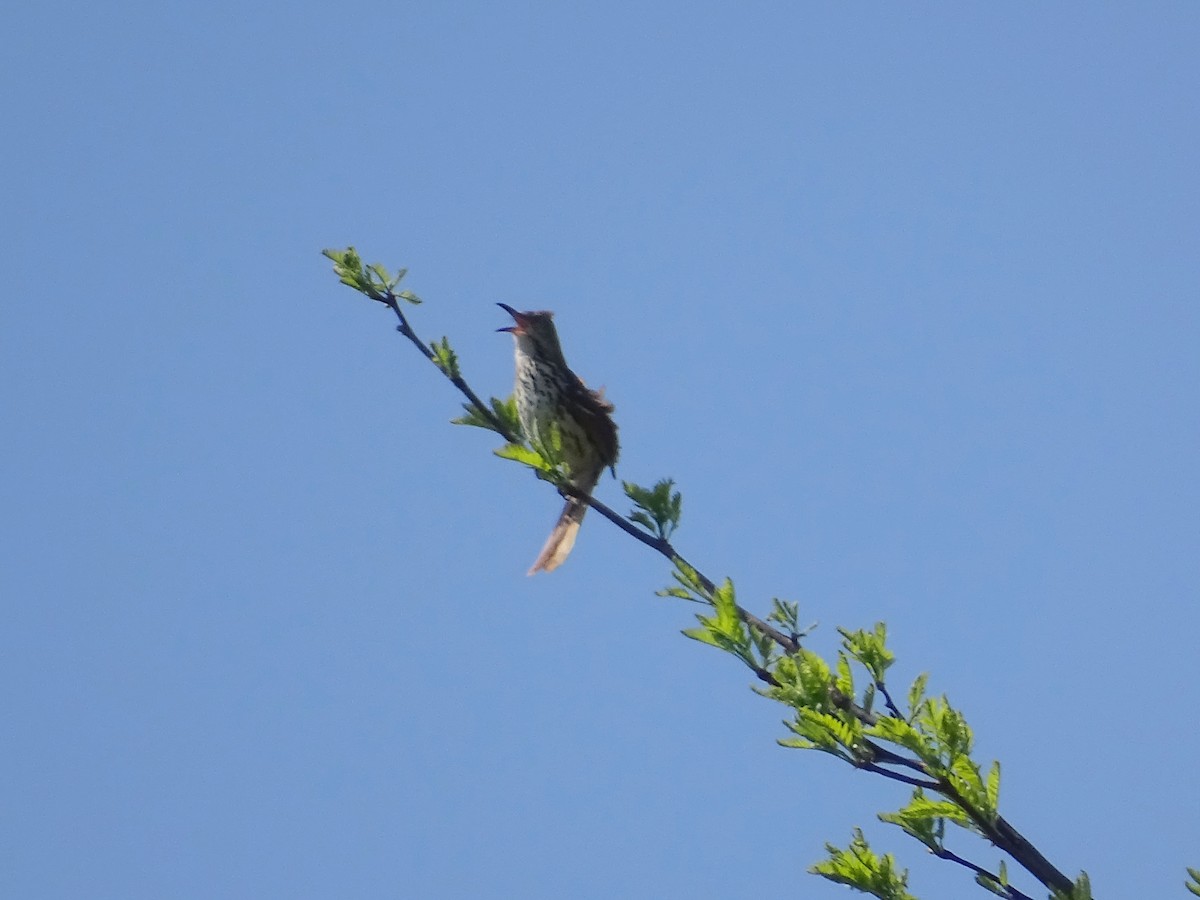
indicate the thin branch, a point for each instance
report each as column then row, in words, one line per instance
column 656, row 544
column 765, row 675
column 892, row 758
column 664, row 547
column 789, row 644
column 897, row 776
column 405, row 329
column 1011, row 892
column 887, row 698
column 1011, row 841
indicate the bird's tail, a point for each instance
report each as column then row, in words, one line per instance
column 562, row 538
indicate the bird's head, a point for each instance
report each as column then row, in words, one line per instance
column 534, row 332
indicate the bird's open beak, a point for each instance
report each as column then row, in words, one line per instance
column 520, row 318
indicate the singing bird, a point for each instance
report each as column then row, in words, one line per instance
column 549, row 395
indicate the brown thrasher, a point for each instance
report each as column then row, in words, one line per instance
column 550, row 397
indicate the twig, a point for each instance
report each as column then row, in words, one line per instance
column 664, row 547
column 897, row 776
column 1007, row 838
column 887, row 698
column 405, row 329
column 892, row 758
column 1012, row 892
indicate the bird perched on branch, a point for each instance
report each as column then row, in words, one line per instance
column 559, row 411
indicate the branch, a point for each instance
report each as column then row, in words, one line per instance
column 664, row 547
column 1012, row 892
column 897, row 776
column 1012, row 842
column 1000, row 832
column 887, row 698
column 891, row 758
column 391, row 302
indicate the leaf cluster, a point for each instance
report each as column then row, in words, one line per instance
column 503, row 411
column 835, row 708
column 658, row 508
column 445, row 358
column 544, row 456
column 1080, row 890
column 860, row 868
column 372, row 280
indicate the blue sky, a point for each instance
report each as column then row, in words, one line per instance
column 904, row 299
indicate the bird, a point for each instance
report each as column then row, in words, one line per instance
column 551, row 398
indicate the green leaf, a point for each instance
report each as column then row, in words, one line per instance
column 348, row 267
column 674, row 592
column 870, row 649
column 524, row 455
column 725, row 629
column 445, row 358
column 906, row 735
column 658, row 508
column 998, row 886
column 993, row 786
column 505, row 412
column 642, row 519
column 947, row 727
column 797, row 743
column 553, row 441
column 868, row 698
column 1082, row 889
column 822, row 731
column 725, row 604
column 785, row 613
column 802, row 682
column 1193, row 882
column 472, row 416
column 704, row 636
column 924, row 818
column 548, row 442
column 963, row 773
column 764, row 646
column 689, row 579
column 343, row 259
column 845, row 678
column 374, row 281
column 858, row 867
column 916, row 695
